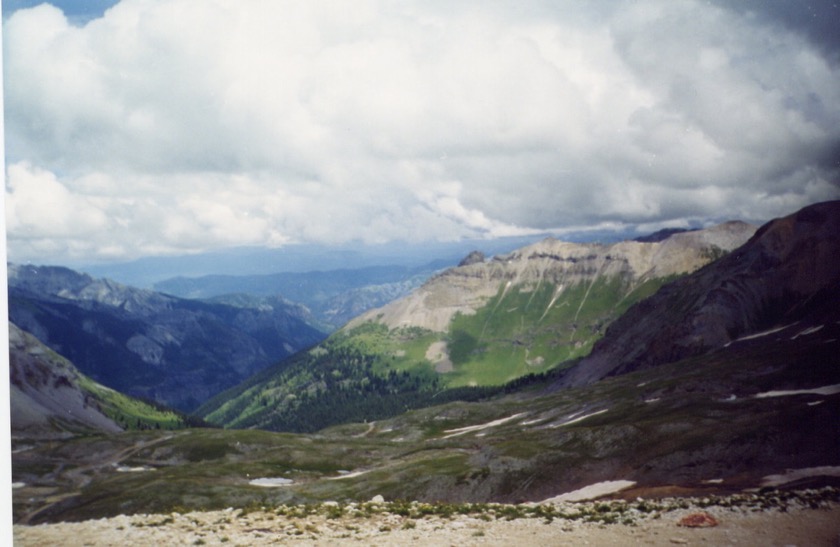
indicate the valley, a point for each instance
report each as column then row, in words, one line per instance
column 721, row 379
column 151, row 345
column 659, row 429
column 468, row 331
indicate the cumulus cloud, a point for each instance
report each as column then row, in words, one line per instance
column 183, row 125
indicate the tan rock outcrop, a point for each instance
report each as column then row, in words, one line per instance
column 466, row 288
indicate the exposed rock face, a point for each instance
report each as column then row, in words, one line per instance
column 151, row 345
column 45, row 392
column 64, row 283
column 789, row 270
column 475, row 257
column 466, row 288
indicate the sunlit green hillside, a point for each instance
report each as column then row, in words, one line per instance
column 371, row 372
column 525, row 329
column 132, row 413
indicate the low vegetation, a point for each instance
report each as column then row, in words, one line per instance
column 371, row 372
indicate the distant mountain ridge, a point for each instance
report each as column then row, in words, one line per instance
column 179, row 352
column 302, row 258
column 333, row 296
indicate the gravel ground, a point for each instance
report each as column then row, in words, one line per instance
column 741, row 526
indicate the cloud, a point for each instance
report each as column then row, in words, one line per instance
column 187, row 125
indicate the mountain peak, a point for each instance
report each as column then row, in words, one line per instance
column 475, row 257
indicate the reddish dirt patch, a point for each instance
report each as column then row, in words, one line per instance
column 698, row 520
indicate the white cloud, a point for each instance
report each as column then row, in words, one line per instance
column 181, row 125
column 40, row 206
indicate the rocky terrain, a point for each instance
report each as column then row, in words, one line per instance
column 812, row 522
column 46, row 388
column 468, row 287
column 147, row 344
column 738, row 418
column 50, row 398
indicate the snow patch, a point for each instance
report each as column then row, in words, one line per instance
column 346, row 475
column 593, row 491
column 271, row 482
column 824, row 390
column 574, row 418
column 806, row 332
column 760, row 334
column 471, row 428
column 127, row 469
column 795, row 474
column 557, row 292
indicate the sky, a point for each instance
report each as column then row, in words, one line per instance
column 159, row 127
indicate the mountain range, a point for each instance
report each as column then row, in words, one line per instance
column 482, row 323
column 301, row 258
column 332, row 296
column 175, row 351
column 700, row 363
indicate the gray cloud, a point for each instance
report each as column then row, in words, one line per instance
column 188, row 125
column 815, row 19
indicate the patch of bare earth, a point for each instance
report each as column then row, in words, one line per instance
column 438, row 353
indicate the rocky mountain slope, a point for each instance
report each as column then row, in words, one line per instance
column 547, row 303
column 483, row 323
column 151, row 345
column 50, row 397
column 560, row 264
column 45, row 391
column 785, row 279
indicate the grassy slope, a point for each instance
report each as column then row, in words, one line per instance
column 371, row 372
column 525, row 330
column 132, row 413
